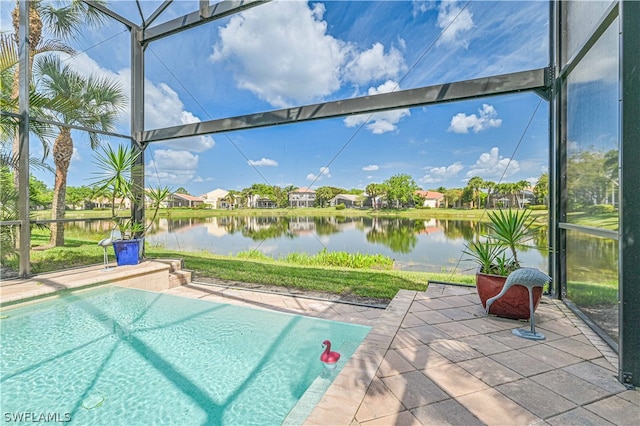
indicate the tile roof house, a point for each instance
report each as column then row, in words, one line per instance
column 431, row 198
column 184, row 200
column 349, row 200
column 302, row 197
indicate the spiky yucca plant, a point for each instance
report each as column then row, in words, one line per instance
column 509, row 231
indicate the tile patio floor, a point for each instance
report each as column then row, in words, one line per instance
column 433, row 358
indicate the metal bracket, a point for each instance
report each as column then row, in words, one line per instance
column 627, row 380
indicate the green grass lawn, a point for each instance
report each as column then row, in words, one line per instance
column 413, row 213
column 376, row 281
column 591, row 293
column 360, row 282
column 596, row 220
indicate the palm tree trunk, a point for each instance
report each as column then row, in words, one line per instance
column 62, row 152
column 35, row 35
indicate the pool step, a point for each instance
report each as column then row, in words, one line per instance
column 151, row 274
column 177, row 276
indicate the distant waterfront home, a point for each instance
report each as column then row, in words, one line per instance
column 184, row 200
column 105, row 202
column 265, row 203
column 302, row 197
column 216, row 198
column 377, row 202
column 349, row 200
column 431, row 198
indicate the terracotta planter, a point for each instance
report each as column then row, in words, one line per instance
column 515, row 302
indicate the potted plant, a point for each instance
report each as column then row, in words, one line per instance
column 116, row 176
column 497, row 256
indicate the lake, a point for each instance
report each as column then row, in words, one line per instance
column 433, row 245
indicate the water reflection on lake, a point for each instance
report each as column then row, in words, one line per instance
column 421, row 245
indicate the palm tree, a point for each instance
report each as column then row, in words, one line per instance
column 247, row 197
column 99, row 102
column 374, row 190
column 39, row 105
column 476, row 183
column 231, row 197
column 519, row 187
column 490, row 186
column 64, row 22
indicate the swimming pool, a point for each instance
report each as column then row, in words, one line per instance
column 124, row 356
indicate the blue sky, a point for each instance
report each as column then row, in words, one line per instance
column 287, row 53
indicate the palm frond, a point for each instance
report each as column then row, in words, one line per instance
column 8, row 52
column 50, row 46
column 66, row 22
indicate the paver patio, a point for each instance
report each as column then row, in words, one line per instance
column 434, row 358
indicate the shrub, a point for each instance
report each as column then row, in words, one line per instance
column 341, row 259
column 253, row 254
column 340, row 206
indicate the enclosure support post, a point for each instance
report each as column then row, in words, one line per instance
column 23, row 134
column 629, row 241
column 137, row 122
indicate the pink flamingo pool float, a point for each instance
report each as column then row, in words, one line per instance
column 329, row 358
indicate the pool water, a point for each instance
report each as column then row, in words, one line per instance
column 116, row 356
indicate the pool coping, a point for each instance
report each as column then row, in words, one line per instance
column 342, row 400
column 152, row 274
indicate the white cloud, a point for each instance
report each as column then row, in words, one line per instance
column 163, row 107
column 374, row 64
column 492, row 165
column 370, row 168
column 199, row 179
column 171, row 167
column 266, row 162
column 306, row 65
column 422, row 6
column 310, row 64
column 324, row 172
column 379, row 122
column 454, row 22
column 486, row 118
column 440, row 174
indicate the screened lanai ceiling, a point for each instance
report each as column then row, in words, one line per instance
column 372, row 70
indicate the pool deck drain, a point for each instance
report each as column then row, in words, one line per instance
column 434, row 358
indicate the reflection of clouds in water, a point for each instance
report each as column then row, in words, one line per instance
column 440, row 237
column 265, row 248
column 214, row 229
column 431, row 249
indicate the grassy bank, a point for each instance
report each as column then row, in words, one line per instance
column 359, row 282
column 183, row 213
column 300, row 272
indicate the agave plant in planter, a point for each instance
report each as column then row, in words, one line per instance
column 497, row 256
column 116, row 176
